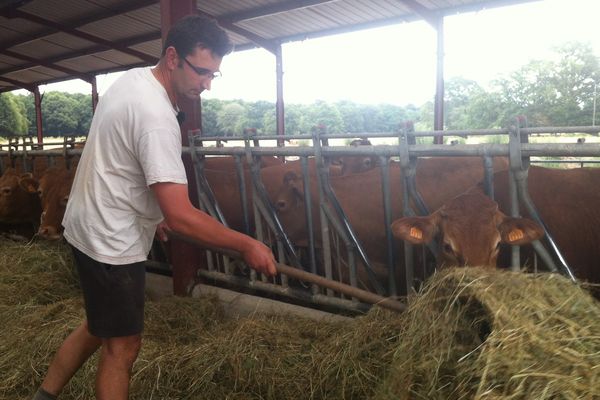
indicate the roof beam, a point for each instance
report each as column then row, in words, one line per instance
column 89, row 51
column 78, row 22
column 80, row 34
column 259, row 40
column 424, row 12
column 37, row 61
column 17, row 83
column 273, row 9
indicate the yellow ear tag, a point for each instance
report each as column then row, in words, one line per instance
column 515, row 234
column 416, row 233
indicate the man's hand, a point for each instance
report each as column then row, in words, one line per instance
column 161, row 231
column 259, row 257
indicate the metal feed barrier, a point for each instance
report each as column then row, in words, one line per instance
column 339, row 246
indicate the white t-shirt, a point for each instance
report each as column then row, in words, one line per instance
column 134, row 141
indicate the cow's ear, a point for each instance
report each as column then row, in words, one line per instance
column 28, row 184
column 519, row 231
column 416, row 230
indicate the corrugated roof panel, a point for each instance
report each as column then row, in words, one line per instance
column 153, row 48
column 8, row 62
column 66, row 41
column 36, row 74
column 223, row 7
column 149, row 15
column 60, row 10
column 40, row 49
column 117, row 57
column 118, row 28
column 86, row 64
column 16, row 28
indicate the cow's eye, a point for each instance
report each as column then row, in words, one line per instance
column 448, row 248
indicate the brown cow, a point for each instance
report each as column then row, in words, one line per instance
column 469, row 229
column 227, row 163
column 566, row 200
column 19, row 203
column 360, row 195
column 357, row 164
column 54, row 188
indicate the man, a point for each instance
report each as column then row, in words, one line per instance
column 129, row 179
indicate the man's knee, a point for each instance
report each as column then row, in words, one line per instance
column 123, row 350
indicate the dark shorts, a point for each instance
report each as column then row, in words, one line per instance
column 113, row 296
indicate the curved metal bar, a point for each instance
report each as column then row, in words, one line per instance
column 331, row 197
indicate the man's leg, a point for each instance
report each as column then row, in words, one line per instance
column 114, row 369
column 71, row 355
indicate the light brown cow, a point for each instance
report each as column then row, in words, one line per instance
column 54, row 188
column 19, row 204
column 360, row 195
column 227, row 163
column 358, row 164
column 469, row 229
column 567, row 201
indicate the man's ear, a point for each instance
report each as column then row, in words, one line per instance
column 171, row 58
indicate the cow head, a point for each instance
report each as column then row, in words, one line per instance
column 18, row 200
column 357, row 164
column 469, row 229
column 53, row 191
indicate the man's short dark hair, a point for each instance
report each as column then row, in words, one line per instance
column 195, row 30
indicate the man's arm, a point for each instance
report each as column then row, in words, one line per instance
column 182, row 217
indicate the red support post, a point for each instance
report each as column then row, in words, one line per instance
column 94, row 94
column 37, row 99
column 185, row 258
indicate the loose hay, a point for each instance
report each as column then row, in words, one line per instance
column 477, row 333
column 36, row 273
column 471, row 334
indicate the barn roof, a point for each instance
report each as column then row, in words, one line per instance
column 46, row 41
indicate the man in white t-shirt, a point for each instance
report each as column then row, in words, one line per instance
column 129, row 184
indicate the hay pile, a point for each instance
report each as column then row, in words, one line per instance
column 471, row 333
column 191, row 351
column 36, row 273
column 486, row 334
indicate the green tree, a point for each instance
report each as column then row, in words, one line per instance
column 232, row 119
column 353, row 119
column 210, row 110
column 323, row 113
column 256, row 114
column 12, row 119
column 459, row 93
column 549, row 92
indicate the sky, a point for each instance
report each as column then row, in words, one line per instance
column 397, row 64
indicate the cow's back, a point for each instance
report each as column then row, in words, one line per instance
column 568, row 201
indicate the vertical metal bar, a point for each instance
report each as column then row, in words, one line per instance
column 242, row 186
column 488, row 177
column 439, row 91
column 324, row 222
column 514, row 212
column 196, row 164
column 309, row 220
column 516, row 164
column 406, row 211
column 280, row 112
column 387, row 220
